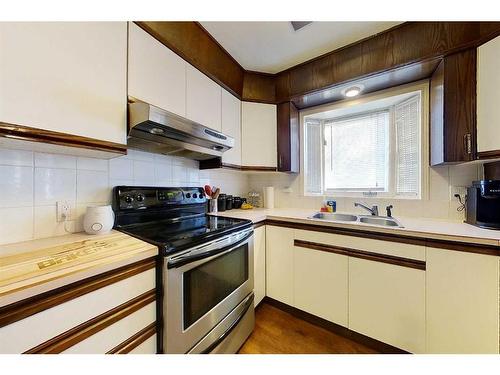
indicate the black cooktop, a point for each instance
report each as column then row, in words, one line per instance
column 174, row 219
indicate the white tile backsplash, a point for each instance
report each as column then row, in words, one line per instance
column 31, row 183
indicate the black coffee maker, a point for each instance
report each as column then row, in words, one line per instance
column 483, row 204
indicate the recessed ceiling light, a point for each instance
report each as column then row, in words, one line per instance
column 352, row 91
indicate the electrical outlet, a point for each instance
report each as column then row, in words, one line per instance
column 460, row 190
column 64, row 211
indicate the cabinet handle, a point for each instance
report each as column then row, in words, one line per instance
column 468, row 143
column 279, row 161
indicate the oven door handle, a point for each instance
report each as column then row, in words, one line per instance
column 248, row 303
column 186, row 259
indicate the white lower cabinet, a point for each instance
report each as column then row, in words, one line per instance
column 462, row 302
column 279, row 264
column 387, row 303
column 259, row 257
column 320, row 284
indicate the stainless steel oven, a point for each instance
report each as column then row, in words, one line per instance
column 208, row 295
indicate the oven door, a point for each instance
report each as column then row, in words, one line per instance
column 203, row 285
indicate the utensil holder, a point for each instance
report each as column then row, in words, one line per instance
column 212, row 205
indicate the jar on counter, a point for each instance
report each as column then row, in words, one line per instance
column 229, row 202
column 237, row 202
column 221, row 203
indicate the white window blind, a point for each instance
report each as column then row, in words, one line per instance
column 313, row 149
column 407, row 128
column 356, row 152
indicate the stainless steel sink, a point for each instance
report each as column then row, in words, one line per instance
column 362, row 219
column 335, row 217
column 383, row 221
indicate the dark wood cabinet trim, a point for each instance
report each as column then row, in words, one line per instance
column 217, row 163
column 134, row 341
column 26, row 133
column 428, row 242
column 79, row 333
column 493, row 154
column 259, row 224
column 33, row 305
column 367, row 255
column 288, row 138
column 336, row 328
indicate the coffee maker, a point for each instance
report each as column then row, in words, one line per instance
column 483, row 204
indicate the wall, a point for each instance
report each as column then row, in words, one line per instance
column 32, row 182
column 438, row 206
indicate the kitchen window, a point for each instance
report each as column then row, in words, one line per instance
column 372, row 146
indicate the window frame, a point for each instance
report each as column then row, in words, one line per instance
column 420, row 86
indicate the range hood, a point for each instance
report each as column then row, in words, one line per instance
column 156, row 130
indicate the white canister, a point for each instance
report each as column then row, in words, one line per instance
column 98, row 219
column 269, row 197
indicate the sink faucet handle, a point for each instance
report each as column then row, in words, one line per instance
column 388, row 209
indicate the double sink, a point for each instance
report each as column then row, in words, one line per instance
column 365, row 219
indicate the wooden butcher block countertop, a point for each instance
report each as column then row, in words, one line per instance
column 33, row 267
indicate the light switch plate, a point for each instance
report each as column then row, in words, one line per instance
column 64, row 211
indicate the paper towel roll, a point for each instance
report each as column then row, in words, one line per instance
column 269, row 197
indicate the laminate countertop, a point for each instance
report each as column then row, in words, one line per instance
column 413, row 227
column 33, row 267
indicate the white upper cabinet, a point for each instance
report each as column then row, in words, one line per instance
column 67, row 77
column 258, row 135
column 156, row 75
column 231, row 125
column 203, row 99
column 488, row 91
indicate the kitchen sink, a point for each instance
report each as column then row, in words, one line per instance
column 383, row 221
column 334, row 217
column 362, row 219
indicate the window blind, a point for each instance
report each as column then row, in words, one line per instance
column 312, row 162
column 407, row 127
column 356, row 152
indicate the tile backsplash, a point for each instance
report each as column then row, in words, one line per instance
column 31, row 183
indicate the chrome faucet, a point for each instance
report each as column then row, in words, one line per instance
column 373, row 210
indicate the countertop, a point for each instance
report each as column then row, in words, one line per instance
column 33, row 267
column 415, row 227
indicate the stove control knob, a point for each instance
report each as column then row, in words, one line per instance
column 139, row 197
column 188, row 195
column 195, row 196
column 128, row 199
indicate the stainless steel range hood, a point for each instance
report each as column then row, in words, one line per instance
column 155, row 130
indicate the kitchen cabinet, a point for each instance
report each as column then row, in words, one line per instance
column 279, row 264
column 110, row 312
column 203, row 99
column 156, row 75
column 66, row 77
column 387, row 303
column 259, row 257
column 488, row 91
column 462, row 302
column 320, row 284
column 231, row 125
column 259, row 135
column 453, row 109
column 288, row 138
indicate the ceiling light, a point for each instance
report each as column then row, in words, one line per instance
column 352, row 91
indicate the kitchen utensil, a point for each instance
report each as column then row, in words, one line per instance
column 216, row 193
column 208, row 191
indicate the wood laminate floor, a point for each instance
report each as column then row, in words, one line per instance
column 278, row 332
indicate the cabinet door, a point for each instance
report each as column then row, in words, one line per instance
column 231, row 125
column 67, row 77
column 288, row 138
column 279, row 264
column 387, row 303
column 259, row 257
column 462, row 302
column 258, row 135
column 156, row 75
column 320, row 284
column 488, row 90
column 203, row 99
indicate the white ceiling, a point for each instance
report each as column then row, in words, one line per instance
column 274, row 46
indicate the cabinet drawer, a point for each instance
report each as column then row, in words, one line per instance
column 387, row 303
column 38, row 328
column 403, row 250
column 147, row 347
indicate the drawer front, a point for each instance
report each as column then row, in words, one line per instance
column 117, row 333
column 147, row 347
column 403, row 250
column 387, row 303
column 27, row 333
